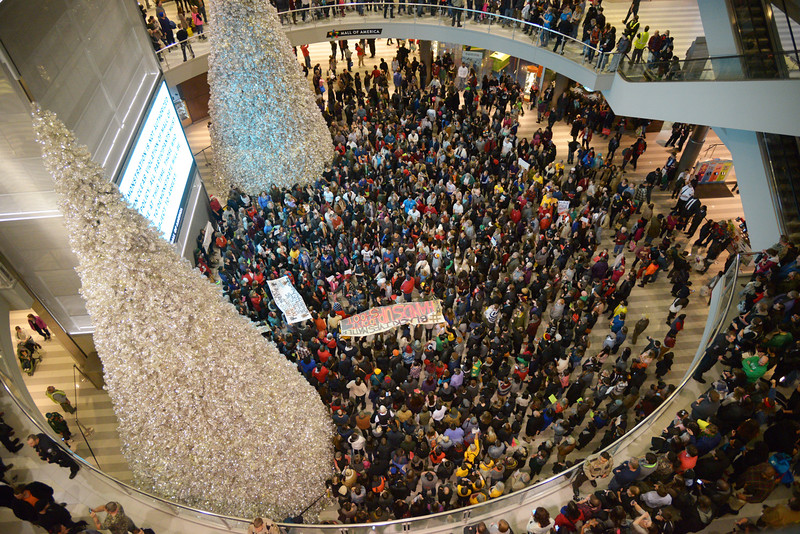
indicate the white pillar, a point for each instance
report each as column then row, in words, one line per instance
column 720, row 37
column 751, row 166
column 718, row 27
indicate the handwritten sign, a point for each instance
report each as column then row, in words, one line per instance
column 288, row 300
column 563, row 206
column 208, row 236
column 377, row 320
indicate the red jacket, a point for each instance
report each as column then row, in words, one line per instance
column 407, row 286
column 320, row 374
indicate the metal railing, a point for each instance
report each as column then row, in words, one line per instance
column 205, row 156
column 724, row 293
column 473, row 20
column 718, row 68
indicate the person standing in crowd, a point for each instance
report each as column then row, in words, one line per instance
column 167, row 28
column 198, row 20
column 38, row 324
column 594, row 467
column 183, row 39
column 639, row 44
column 59, row 397
column 115, row 521
column 50, row 453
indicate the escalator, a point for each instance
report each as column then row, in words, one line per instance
column 783, row 153
column 762, row 58
column 753, row 23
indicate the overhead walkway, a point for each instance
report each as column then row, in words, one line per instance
column 766, row 104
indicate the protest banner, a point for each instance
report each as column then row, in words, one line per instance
column 563, row 206
column 381, row 319
column 209, row 235
column 288, row 300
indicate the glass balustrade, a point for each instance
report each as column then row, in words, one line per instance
column 720, row 312
column 722, row 68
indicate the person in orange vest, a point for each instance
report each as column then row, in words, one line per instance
column 649, row 273
column 378, row 484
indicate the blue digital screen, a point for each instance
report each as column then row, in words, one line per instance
column 156, row 176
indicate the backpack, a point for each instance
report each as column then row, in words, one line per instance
column 782, row 463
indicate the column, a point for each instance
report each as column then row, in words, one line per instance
column 760, row 208
column 426, row 58
column 720, row 37
column 692, row 148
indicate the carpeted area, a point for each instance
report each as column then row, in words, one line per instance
column 715, row 190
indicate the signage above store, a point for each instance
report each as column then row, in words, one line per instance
column 335, row 34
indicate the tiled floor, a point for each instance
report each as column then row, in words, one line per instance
column 94, row 406
column 680, row 16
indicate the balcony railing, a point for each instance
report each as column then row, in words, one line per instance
column 420, row 14
column 722, row 68
column 719, row 316
column 719, row 68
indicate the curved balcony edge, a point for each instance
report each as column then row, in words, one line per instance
column 92, row 485
column 630, row 92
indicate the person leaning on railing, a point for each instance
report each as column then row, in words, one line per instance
column 115, row 521
column 623, row 47
column 263, row 526
column 597, row 466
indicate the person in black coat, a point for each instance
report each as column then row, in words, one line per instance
column 22, row 509
column 697, row 218
column 712, row 466
column 783, row 437
column 51, row 453
column 53, row 516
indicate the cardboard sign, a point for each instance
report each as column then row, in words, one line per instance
column 209, row 235
column 377, row 320
column 288, row 300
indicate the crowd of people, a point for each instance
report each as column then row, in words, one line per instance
column 549, row 23
column 35, row 502
column 599, row 41
column 164, row 32
column 533, row 251
column 432, row 195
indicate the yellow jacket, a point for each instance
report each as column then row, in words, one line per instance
column 642, row 40
column 471, row 452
